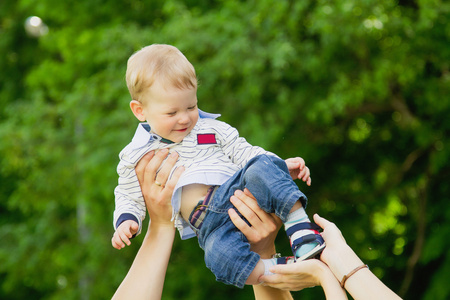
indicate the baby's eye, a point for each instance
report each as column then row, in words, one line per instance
column 173, row 113
column 192, row 107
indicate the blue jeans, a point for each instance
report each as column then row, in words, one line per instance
column 227, row 251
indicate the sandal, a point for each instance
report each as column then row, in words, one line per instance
column 284, row 260
column 306, row 239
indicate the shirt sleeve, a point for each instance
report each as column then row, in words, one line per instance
column 128, row 195
column 237, row 147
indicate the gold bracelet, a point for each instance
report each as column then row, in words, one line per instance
column 344, row 279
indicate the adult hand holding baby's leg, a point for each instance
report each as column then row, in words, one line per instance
column 264, row 227
column 261, row 236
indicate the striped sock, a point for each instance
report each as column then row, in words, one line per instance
column 267, row 264
column 296, row 217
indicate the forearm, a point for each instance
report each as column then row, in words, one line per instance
column 363, row 284
column 145, row 279
column 331, row 287
column 269, row 293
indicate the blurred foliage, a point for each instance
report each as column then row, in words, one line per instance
column 357, row 88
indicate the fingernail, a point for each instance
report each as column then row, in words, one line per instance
column 238, row 193
column 173, row 154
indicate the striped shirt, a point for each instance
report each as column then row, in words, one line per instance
column 211, row 153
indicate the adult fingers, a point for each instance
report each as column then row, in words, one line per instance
column 275, row 281
column 263, row 228
column 154, row 164
column 142, row 164
column 295, row 276
column 263, row 224
column 285, row 282
column 247, row 206
column 287, row 269
column 322, row 222
column 266, row 218
column 166, row 168
column 240, row 223
column 174, row 179
column 331, row 233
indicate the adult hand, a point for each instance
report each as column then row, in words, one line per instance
column 154, row 253
column 342, row 260
column 296, row 276
column 339, row 257
column 331, row 233
column 156, row 189
column 304, row 274
column 264, row 227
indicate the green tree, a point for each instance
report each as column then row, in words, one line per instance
column 358, row 88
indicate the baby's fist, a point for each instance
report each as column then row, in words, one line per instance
column 124, row 233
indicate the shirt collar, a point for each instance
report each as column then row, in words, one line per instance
column 143, row 136
column 205, row 115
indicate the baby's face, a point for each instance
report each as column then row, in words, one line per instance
column 171, row 112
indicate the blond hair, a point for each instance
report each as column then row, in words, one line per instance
column 163, row 63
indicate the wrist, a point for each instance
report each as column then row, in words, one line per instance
column 324, row 274
column 166, row 227
column 330, row 283
column 351, row 273
column 344, row 260
column 158, row 231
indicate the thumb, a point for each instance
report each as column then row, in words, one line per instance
column 134, row 227
column 322, row 222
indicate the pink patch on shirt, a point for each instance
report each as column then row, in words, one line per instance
column 206, row 138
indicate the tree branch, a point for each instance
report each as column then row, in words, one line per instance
column 420, row 240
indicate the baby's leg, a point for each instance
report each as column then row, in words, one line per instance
column 258, row 271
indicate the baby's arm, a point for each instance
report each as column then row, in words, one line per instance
column 124, row 233
column 298, row 169
column 236, row 147
column 154, row 253
column 130, row 205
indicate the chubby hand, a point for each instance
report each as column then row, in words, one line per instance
column 124, row 233
column 298, row 169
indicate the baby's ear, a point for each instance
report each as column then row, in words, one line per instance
column 137, row 109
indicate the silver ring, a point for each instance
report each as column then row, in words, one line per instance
column 158, row 183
